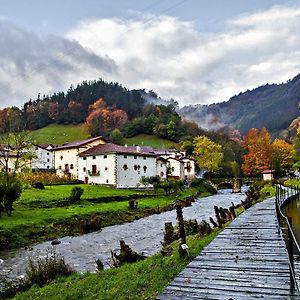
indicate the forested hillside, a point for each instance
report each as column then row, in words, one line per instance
column 272, row 106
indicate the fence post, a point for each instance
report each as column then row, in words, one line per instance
column 291, row 252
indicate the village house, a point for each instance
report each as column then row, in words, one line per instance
column 66, row 156
column 119, row 166
column 44, row 157
column 162, row 166
column 176, row 168
column 188, row 167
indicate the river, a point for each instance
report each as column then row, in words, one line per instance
column 143, row 235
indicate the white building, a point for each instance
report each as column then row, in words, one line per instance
column 66, row 156
column 188, row 167
column 44, row 157
column 119, row 166
column 162, row 167
column 176, row 168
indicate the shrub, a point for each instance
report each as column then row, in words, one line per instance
column 42, row 270
column 38, row 185
column 76, row 193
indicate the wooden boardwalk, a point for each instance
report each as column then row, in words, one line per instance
column 246, row 261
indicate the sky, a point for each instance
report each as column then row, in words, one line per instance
column 194, row 51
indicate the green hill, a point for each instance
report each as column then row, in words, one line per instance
column 58, row 134
column 150, row 140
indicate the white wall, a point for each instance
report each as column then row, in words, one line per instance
column 105, row 166
column 189, row 172
column 176, row 168
column 44, row 159
column 130, row 178
column 161, row 169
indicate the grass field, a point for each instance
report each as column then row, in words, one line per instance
column 59, row 134
column 141, row 280
column 150, row 140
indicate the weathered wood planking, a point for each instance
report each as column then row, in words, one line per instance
column 246, row 261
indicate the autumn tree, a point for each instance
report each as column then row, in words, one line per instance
column 283, row 154
column 102, row 118
column 259, row 151
column 208, row 154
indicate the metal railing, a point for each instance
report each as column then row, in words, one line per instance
column 283, row 196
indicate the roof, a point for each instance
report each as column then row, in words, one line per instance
column 44, row 146
column 78, row 144
column 113, row 148
column 268, row 171
column 4, row 153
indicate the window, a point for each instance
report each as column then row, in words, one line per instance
column 105, row 156
column 36, row 148
column 162, row 174
column 94, row 157
column 59, row 167
column 94, row 169
column 84, row 169
column 161, row 165
column 135, row 167
column 106, row 180
column 138, row 167
column 144, row 157
column 48, row 160
column 61, row 157
column 106, row 169
column 71, row 166
column 84, row 158
column 125, row 156
column 48, row 167
column 125, row 167
column 135, row 157
column 47, row 153
column 145, row 168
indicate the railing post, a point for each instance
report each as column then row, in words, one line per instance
column 291, row 252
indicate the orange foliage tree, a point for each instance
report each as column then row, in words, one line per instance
column 259, row 151
column 102, row 118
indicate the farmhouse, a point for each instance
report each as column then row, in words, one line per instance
column 188, row 167
column 66, row 156
column 44, row 157
column 119, row 166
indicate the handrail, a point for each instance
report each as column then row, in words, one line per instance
column 280, row 200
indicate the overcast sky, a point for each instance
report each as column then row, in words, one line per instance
column 194, row 51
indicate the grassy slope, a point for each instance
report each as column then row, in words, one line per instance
column 150, row 140
column 142, row 280
column 59, row 134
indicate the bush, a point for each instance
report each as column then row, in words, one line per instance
column 203, row 186
column 76, row 193
column 38, row 185
column 42, row 270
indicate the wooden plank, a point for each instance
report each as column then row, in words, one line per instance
column 247, row 260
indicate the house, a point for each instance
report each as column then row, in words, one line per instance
column 44, row 157
column 66, row 156
column 7, row 160
column 268, row 174
column 162, row 167
column 188, row 167
column 119, row 166
column 176, row 167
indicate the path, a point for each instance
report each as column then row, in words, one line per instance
column 246, row 261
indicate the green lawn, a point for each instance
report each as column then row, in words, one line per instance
column 142, row 280
column 58, row 192
column 150, row 140
column 59, row 134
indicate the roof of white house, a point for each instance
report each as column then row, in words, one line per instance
column 113, row 148
column 78, row 144
column 44, row 146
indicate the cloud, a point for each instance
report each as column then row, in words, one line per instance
column 30, row 64
column 177, row 60
column 160, row 53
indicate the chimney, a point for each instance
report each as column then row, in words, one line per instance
column 138, row 149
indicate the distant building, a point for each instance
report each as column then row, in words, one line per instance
column 66, row 156
column 188, row 167
column 44, row 157
column 162, row 166
column 119, row 166
column 268, row 174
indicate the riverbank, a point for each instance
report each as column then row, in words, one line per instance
column 142, row 280
column 42, row 215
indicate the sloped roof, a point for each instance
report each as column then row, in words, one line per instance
column 113, row 148
column 78, row 144
column 44, row 146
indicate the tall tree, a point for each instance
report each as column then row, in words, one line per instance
column 259, row 151
column 283, row 154
column 208, row 154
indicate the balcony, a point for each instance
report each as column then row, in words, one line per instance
column 93, row 173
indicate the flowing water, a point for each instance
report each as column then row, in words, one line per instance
column 143, row 235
